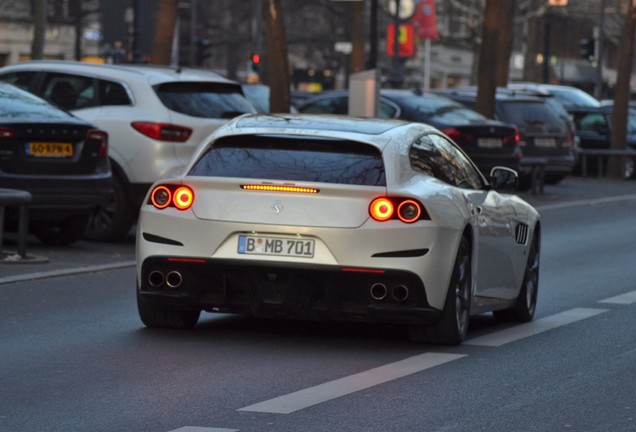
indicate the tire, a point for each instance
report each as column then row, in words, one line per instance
column 112, row 222
column 526, row 303
column 63, row 232
column 157, row 317
column 452, row 327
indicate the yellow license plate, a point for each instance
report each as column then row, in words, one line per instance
column 50, row 149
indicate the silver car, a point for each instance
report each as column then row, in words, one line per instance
column 336, row 218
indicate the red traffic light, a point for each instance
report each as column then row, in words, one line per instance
column 256, row 59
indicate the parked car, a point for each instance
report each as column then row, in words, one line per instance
column 488, row 143
column 60, row 159
column 155, row 116
column 594, row 128
column 258, row 95
column 570, row 97
column 337, row 218
column 542, row 133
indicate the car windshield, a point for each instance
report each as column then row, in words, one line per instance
column 203, row 99
column 15, row 103
column 293, row 159
column 441, row 110
column 572, row 98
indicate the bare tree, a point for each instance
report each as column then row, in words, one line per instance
column 39, row 29
column 488, row 57
column 277, row 62
column 622, row 90
column 164, row 32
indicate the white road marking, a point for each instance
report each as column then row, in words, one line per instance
column 324, row 392
column 532, row 328
column 202, row 429
column 584, row 202
column 622, row 299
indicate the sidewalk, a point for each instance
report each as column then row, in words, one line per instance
column 88, row 256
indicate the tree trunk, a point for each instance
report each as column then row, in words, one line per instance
column 506, row 36
column 488, row 56
column 39, row 29
column 622, row 91
column 277, row 62
column 164, row 32
column 357, row 37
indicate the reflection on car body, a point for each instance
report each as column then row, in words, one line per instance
column 336, row 218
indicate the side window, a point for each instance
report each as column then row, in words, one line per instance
column 467, row 176
column 591, row 122
column 387, row 110
column 112, row 93
column 68, row 91
column 335, row 105
column 435, row 156
column 25, row 79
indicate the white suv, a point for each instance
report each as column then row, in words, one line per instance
column 155, row 117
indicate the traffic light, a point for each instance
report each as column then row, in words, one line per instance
column 587, row 48
column 256, row 61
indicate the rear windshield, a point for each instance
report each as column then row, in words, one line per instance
column 203, row 99
column 293, row 159
column 18, row 104
column 529, row 114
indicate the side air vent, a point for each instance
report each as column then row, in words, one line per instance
column 521, row 233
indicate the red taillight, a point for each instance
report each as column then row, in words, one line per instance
column 180, row 197
column 102, row 138
column 381, row 209
column 161, row 197
column 163, row 131
column 6, row 133
column 405, row 209
column 183, row 198
column 459, row 137
column 409, row 211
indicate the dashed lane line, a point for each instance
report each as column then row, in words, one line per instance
column 334, row 389
column 622, row 299
column 202, row 429
column 532, row 328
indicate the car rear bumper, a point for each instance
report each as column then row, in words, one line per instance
column 285, row 291
column 55, row 197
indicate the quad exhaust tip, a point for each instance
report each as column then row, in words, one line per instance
column 378, row 291
column 400, row 293
column 173, row 279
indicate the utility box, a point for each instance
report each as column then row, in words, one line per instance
column 364, row 94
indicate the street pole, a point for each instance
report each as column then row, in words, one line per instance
column 598, row 89
column 136, row 49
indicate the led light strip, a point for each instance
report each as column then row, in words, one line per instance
column 271, row 188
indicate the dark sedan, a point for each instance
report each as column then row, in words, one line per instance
column 544, row 135
column 594, row 129
column 489, row 143
column 61, row 160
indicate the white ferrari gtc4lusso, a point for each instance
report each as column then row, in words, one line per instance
column 337, row 218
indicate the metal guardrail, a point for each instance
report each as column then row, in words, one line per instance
column 600, row 155
column 22, row 200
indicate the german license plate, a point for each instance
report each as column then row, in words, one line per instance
column 278, row 246
column 49, row 149
column 489, row 143
column 544, row 142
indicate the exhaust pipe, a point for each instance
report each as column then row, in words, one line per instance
column 378, row 291
column 174, row 279
column 155, row 279
column 400, row 293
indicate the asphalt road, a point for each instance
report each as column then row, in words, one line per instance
column 75, row 357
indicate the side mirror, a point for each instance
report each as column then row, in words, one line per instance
column 502, row 178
